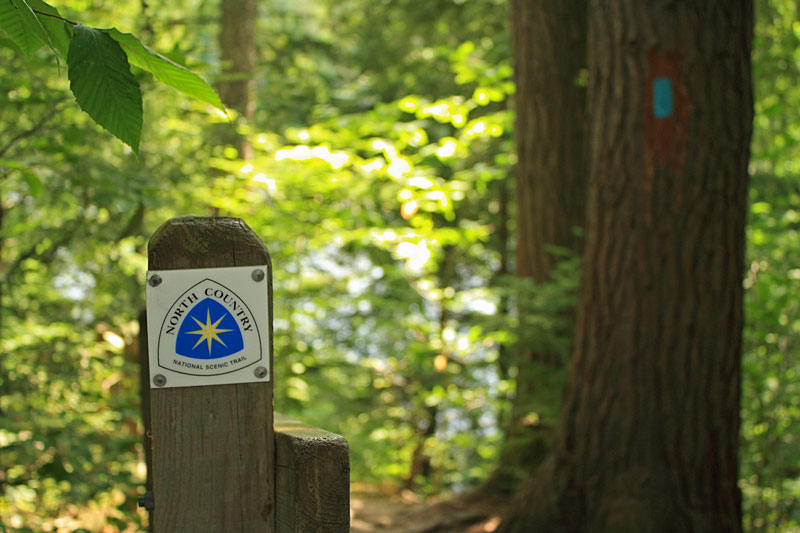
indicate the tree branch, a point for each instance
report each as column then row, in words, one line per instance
column 27, row 133
column 54, row 16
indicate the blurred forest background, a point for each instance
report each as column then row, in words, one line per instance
column 375, row 158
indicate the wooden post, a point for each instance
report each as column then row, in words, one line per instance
column 312, row 478
column 144, row 397
column 213, row 446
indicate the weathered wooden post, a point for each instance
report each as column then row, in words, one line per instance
column 144, row 397
column 210, row 351
column 313, row 478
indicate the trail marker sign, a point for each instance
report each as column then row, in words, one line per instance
column 208, row 326
column 217, row 452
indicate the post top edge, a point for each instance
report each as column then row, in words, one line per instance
column 205, row 242
column 190, row 222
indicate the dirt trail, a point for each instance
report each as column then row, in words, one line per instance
column 372, row 512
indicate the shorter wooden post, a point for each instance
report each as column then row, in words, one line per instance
column 312, row 478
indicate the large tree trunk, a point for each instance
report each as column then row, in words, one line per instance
column 648, row 436
column 549, row 46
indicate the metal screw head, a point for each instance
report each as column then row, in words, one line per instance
column 159, row 380
column 155, row 280
column 258, row 274
column 147, row 501
column 260, row 372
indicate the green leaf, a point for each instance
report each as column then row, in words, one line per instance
column 58, row 31
column 22, row 26
column 35, row 186
column 166, row 70
column 101, row 80
column 5, row 42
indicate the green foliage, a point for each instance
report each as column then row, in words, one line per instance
column 72, row 206
column 770, row 450
column 545, row 309
column 101, row 80
column 57, row 32
column 388, row 228
column 361, row 284
column 381, row 182
column 23, row 26
column 165, row 69
column 99, row 72
column 61, row 444
column 771, row 399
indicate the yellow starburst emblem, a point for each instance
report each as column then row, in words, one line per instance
column 208, row 332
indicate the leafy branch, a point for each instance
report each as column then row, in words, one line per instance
column 98, row 65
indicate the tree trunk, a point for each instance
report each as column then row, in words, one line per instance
column 238, row 56
column 549, row 45
column 648, row 436
column 420, row 461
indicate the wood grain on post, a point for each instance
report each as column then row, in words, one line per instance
column 312, row 479
column 213, row 446
column 144, row 398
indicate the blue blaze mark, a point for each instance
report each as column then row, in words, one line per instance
column 200, row 324
column 663, row 104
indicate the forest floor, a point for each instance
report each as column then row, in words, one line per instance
column 405, row 513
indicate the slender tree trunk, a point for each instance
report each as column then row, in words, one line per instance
column 420, row 460
column 2, row 248
column 238, row 54
column 504, row 359
column 648, row 436
column 549, row 45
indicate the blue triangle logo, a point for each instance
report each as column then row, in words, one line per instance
column 208, row 331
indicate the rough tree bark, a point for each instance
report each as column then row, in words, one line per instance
column 648, row 436
column 549, row 47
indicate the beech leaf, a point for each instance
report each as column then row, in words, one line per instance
column 101, row 80
column 166, row 70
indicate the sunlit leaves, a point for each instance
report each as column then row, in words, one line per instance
column 399, row 188
column 770, row 413
column 166, row 70
column 98, row 65
column 770, row 405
